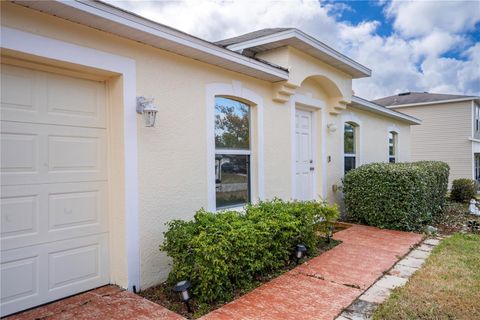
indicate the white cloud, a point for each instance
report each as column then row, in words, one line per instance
column 417, row 18
column 410, row 59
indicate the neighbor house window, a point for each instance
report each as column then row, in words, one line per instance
column 477, row 167
column 350, row 146
column 477, row 118
column 392, row 147
column 232, row 152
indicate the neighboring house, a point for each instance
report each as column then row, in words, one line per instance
column 87, row 188
column 450, row 129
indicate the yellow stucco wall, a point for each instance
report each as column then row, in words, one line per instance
column 172, row 156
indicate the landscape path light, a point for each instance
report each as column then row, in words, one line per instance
column 182, row 288
column 300, row 251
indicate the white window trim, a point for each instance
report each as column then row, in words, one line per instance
column 53, row 49
column 297, row 101
column 353, row 118
column 234, row 89
column 396, row 129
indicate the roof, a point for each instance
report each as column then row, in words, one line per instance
column 420, row 98
column 370, row 106
column 250, row 36
column 268, row 39
column 123, row 23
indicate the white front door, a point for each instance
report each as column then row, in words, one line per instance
column 54, row 215
column 304, row 162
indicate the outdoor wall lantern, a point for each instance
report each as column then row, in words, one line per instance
column 300, row 251
column 146, row 107
column 182, row 288
column 332, row 127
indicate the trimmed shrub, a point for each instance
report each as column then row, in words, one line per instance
column 402, row 196
column 463, row 190
column 222, row 252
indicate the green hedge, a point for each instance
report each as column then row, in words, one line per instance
column 402, row 196
column 222, row 252
column 463, row 190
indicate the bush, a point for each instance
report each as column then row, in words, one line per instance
column 463, row 190
column 402, row 196
column 222, row 252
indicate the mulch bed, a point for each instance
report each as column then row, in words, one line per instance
column 454, row 219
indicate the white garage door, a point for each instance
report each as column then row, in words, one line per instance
column 54, row 216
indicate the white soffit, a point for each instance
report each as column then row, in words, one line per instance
column 110, row 19
column 366, row 105
column 303, row 42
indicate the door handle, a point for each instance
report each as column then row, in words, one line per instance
column 312, row 168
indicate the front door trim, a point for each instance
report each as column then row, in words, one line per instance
column 307, row 102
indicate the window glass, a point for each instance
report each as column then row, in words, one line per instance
column 349, row 139
column 392, row 146
column 232, row 124
column 232, row 152
column 349, row 163
column 232, row 180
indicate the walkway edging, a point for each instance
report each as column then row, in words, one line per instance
column 365, row 305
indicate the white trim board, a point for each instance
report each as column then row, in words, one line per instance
column 363, row 104
column 233, row 89
column 111, row 19
column 396, row 129
column 343, row 62
column 351, row 117
column 61, row 51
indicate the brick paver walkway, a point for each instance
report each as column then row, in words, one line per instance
column 318, row 289
column 109, row 302
column 323, row 286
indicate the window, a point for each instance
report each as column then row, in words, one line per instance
column 232, row 152
column 350, row 146
column 477, row 118
column 392, row 147
column 477, row 167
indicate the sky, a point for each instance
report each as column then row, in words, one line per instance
column 423, row 46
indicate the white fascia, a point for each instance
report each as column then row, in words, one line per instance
column 295, row 33
column 123, row 19
column 373, row 107
column 53, row 49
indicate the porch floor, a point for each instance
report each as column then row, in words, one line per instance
column 318, row 289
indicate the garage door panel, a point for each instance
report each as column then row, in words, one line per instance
column 19, row 279
column 41, row 273
column 19, row 153
column 54, row 189
column 19, row 215
column 70, row 210
column 18, row 92
column 42, row 97
column 34, row 153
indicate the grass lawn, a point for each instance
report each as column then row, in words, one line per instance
column 447, row 287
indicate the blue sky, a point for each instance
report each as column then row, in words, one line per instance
column 429, row 46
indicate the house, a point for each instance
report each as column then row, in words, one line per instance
column 87, row 187
column 450, row 129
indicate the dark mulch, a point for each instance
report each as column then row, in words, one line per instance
column 163, row 294
column 454, row 218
